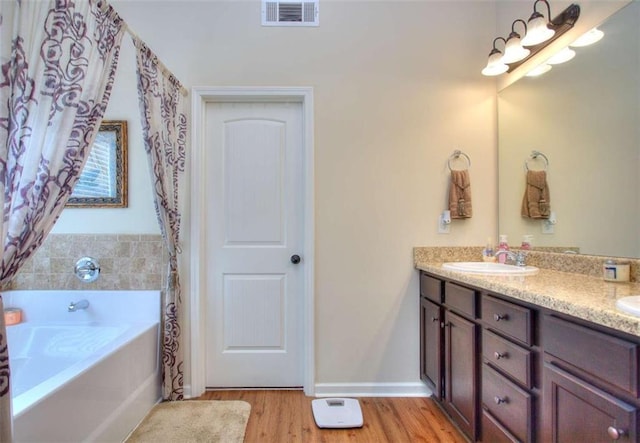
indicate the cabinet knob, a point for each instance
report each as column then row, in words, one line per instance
column 614, row 432
column 498, row 317
column 499, row 355
column 501, row 400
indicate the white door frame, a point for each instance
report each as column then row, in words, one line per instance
column 200, row 96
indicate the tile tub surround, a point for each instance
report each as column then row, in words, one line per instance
column 127, row 261
column 561, row 288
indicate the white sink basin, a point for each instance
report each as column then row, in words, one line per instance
column 479, row 267
column 630, row 305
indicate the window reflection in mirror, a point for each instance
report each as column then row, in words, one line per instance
column 103, row 182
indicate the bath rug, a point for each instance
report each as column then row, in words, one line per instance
column 194, row 421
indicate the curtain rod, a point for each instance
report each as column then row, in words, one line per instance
column 138, row 41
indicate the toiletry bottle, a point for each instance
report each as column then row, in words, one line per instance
column 487, row 252
column 526, row 242
column 503, row 246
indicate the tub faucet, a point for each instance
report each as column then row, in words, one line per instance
column 75, row 306
column 519, row 258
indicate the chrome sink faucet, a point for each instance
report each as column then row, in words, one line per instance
column 519, row 258
column 79, row 305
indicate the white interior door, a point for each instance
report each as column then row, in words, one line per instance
column 254, row 213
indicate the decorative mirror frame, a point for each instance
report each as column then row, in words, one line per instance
column 117, row 197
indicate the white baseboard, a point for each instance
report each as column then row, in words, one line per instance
column 372, row 390
column 186, row 392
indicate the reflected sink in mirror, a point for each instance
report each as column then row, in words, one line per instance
column 489, row 268
column 630, row 305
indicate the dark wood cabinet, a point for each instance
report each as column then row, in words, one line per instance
column 576, row 411
column 590, row 384
column 461, row 363
column 506, row 370
column 431, row 345
column 449, row 349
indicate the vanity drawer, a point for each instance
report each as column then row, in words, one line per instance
column 460, row 299
column 510, row 405
column 508, row 357
column 606, row 357
column 430, row 288
column 493, row 431
column 508, row 318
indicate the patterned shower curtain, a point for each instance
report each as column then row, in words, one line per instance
column 58, row 60
column 164, row 126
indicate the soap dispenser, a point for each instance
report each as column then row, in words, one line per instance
column 503, row 246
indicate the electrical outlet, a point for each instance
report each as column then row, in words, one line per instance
column 443, row 228
column 547, row 227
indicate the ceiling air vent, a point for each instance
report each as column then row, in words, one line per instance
column 290, row 13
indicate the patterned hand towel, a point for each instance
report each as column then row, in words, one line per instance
column 536, row 202
column 460, row 194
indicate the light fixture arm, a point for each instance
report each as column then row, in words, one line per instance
column 495, row 50
column 513, row 28
column 548, row 8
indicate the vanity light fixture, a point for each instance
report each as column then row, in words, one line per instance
column 588, row 38
column 536, row 38
column 495, row 65
column 513, row 50
column 538, row 29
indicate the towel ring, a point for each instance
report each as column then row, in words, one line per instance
column 456, row 155
column 534, row 156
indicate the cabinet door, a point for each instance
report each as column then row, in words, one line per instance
column 431, row 346
column 579, row 412
column 461, row 369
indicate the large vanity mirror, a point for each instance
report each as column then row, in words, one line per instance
column 584, row 116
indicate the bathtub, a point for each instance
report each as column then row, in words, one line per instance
column 89, row 375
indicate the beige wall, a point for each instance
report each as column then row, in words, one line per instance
column 397, row 88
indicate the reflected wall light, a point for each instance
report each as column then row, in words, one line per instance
column 588, row 38
column 539, row 70
column 495, row 65
column 564, row 55
column 534, row 28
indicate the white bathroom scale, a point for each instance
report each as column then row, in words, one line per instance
column 337, row 413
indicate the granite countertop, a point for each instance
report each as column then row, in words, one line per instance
column 583, row 296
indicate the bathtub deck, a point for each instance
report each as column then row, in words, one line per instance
column 278, row 416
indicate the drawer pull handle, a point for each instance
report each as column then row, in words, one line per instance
column 615, row 433
column 501, row 400
column 499, row 355
column 434, row 319
column 498, row 317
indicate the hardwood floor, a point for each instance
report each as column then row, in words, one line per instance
column 285, row 416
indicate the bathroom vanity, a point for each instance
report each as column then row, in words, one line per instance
column 542, row 358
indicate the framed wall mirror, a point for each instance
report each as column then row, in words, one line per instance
column 584, row 116
column 103, row 182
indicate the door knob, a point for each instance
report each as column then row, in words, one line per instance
column 295, row 259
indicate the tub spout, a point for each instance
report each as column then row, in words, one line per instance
column 76, row 306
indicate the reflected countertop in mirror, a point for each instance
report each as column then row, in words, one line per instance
column 584, row 116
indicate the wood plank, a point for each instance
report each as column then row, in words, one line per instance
column 286, row 416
